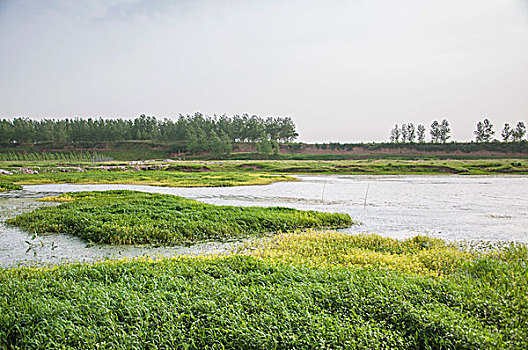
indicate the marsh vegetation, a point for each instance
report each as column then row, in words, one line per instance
column 128, row 217
column 300, row 289
column 236, row 173
column 276, row 298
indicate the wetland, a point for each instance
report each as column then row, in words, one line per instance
column 393, row 275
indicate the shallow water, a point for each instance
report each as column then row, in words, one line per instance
column 449, row 207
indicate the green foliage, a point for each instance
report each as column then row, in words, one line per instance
column 188, row 129
column 484, row 132
column 241, row 302
column 9, row 186
column 264, row 146
column 129, row 217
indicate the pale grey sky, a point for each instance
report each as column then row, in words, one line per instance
column 343, row 70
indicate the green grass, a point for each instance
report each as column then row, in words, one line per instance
column 241, row 302
column 129, row 217
column 9, row 186
column 387, row 167
column 153, row 178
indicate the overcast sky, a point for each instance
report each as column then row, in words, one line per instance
column 343, row 70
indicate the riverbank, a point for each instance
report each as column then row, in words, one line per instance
column 237, row 173
column 145, row 177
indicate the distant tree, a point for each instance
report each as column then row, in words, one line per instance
column 445, row 130
column 198, row 141
column 479, row 133
column 264, row 145
column 395, row 134
column 226, row 143
column 519, row 131
column 195, row 131
column 275, row 147
column 506, row 132
column 411, row 132
column 484, row 132
column 287, row 131
column 435, row 132
column 404, row 133
column 215, row 144
column 421, row 133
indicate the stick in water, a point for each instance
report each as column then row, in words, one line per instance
column 322, row 194
column 366, row 194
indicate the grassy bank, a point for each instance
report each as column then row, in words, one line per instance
column 152, row 178
column 218, row 173
column 387, row 167
column 267, row 301
column 129, row 217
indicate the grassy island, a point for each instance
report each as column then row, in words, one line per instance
column 130, row 217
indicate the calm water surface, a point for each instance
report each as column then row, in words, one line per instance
column 449, row 207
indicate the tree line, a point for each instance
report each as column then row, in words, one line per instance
column 196, row 133
column 440, row 132
column 485, row 132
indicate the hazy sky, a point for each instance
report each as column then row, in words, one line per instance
column 343, row 70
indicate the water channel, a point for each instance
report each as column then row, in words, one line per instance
column 489, row 208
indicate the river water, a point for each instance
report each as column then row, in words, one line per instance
column 489, row 208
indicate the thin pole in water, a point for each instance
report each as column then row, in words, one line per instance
column 366, row 194
column 322, row 194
